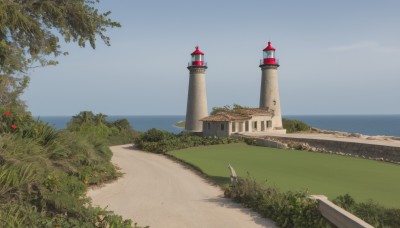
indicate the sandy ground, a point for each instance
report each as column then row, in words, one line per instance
column 158, row 192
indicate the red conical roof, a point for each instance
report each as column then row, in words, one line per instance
column 197, row 51
column 269, row 47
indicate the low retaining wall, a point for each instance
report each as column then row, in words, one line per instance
column 270, row 143
column 337, row 215
column 369, row 151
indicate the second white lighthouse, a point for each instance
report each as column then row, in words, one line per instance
column 269, row 95
column 197, row 98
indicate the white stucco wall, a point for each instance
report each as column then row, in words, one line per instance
column 269, row 94
column 197, row 100
column 215, row 128
column 261, row 119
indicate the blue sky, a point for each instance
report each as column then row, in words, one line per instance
column 337, row 57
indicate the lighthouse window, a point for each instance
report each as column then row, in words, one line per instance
column 197, row 58
column 269, row 54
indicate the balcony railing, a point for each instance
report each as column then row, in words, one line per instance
column 190, row 64
column 262, row 61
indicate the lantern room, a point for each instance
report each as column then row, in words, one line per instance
column 197, row 57
column 269, row 55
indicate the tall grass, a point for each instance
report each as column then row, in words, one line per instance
column 45, row 173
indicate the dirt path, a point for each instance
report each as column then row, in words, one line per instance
column 158, row 192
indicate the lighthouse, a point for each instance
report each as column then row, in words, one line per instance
column 197, row 98
column 269, row 95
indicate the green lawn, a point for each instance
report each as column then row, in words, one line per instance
column 326, row 174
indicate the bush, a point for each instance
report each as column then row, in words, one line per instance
column 96, row 126
column 158, row 141
column 286, row 209
column 293, row 126
column 44, row 173
column 370, row 211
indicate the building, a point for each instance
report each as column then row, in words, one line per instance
column 265, row 119
column 240, row 121
column 269, row 93
column 197, row 98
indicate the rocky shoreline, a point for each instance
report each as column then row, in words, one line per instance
column 377, row 152
column 355, row 135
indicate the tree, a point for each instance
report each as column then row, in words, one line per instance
column 30, row 32
column 100, row 118
column 226, row 108
column 83, row 117
column 11, row 89
column 122, row 124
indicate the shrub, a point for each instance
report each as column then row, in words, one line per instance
column 44, row 173
column 96, row 126
column 158, row 141
column 293, row 126
column 370, row 211
column 286, row 209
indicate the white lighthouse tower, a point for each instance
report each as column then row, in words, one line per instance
column 269, row 96
column 197, row 98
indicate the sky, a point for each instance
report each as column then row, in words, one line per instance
column 336, row 57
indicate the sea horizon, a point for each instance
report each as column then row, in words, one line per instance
column 35, row 116
column 367, row 124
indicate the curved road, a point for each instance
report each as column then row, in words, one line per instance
column 159, row 192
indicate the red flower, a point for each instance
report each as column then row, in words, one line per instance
column 8, row 113
column 13, row 126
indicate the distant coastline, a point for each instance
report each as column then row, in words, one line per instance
column 180, row 124
column 388, row 125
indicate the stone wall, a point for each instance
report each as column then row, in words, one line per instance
column 338, row 216
column 368, row 151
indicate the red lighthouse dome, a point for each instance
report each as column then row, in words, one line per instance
column 197, row 57
column 269, row 55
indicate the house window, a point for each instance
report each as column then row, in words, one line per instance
column 222, row 127
column 269, row 124
column 240, row 126
column 255, row 125
column 246, row 126
column 233, row 126
column 262, row 126
column 208, row 126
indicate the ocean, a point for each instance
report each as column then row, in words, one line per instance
column 364, row 124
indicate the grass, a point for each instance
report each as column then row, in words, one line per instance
column 330, row 175
column 180, row 124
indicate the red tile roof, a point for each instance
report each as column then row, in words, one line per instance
column 237, row 114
